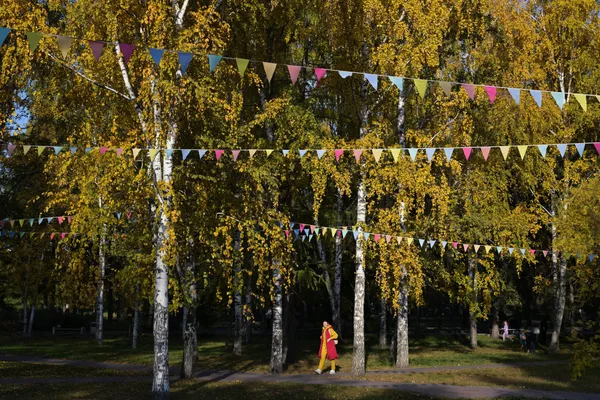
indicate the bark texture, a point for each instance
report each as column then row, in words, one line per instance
column 276, row 365
column 402, row 327
column 358, row 355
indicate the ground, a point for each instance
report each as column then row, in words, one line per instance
column 434, row 360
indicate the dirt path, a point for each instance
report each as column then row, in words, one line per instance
column 433, row 390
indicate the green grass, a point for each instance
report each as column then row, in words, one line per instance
column 9, row 369
column 204, row 391
column 426, row 351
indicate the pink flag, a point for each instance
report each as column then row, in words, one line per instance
column 532, row 251
column 302, row 226
column 470, row 89
column 52, row 235
column 465, row 246
column 357, row 154
column 97, row 48
column 467, row 151
column 545, row 252
column 312, row 228
column 486, row 152
column 103, row 150
column 129, row 215
column 388, row 238
column 62, row 235
column 119, row 152
column 455, row 244
column 320, row 73
column 11, row 148
column 287, row 233
column 218, row 153
column 126, row 50
column 235, row 153
column 69, row 219
column 491, row 91
column 338, row 154
column 60, row 220
column 377, row 237
column 339, row 233
column 597, row 146
column 294, row 70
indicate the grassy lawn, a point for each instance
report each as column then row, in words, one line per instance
column 425, row 351
column 547, row 377
column 38, row 370
column 201, row 390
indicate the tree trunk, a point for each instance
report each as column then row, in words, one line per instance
column 25, row 304
column 383, row 323
column 402, row 327
column 237, row 297
column 337, row 280
column 573, row 312
column 249, row 316
column 358, row 355
column 31, row 315
column 495, row 320
column 190, row 338
column 471, row 270
column 290, row 334
column 276, row 366
column 184, row 315
column 559, row 269
column 326, row 277
column 136, row 321
column 394, row 340
column 100, row 299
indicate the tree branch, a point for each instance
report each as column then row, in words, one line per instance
column 82, row 75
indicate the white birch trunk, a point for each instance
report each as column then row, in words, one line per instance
column 358, row 355
column 276, row 365
column 471, row 271
column 237, row 298
column 25, row 304
column 136, row 322
column 337, row 282
column 559, row 271
column 402, row 326
column 248, row 315
column 382, row 323
column 100, row 299
column 31, row 315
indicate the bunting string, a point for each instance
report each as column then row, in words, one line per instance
column 396, row 153
column 421, row 85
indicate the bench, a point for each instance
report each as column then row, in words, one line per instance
column 58, row 329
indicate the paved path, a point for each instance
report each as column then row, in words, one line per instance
column 433, row 390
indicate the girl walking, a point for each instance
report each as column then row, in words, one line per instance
column 327, row 348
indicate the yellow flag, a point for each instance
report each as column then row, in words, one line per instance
column 409, row 240
column 582, row 99
column 421, row 86
column 40, row 150
column 26, row 149
column 252, row 152
column 504, row 150
column 522, row 150
column 269, row 152
column 136, row 152
column 377, row 154
column 153, row 153
column 395, row 154
column 488, row 248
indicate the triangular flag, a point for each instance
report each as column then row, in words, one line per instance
column 372, row 78
column 103, row 150
column 184, row 61
column 320, row 73
column 219, row 153
column 338, row 153
column 562, row 148
column 591, row 257
column 201, row 153
column 269, row 70
column 399, row 239
column 523, row 251
column 467, row 152
column 488, row 248
column 26, row 149
column 73, row 150
column 399, row 82
column 430, row 151
column 34, row 39
column 522, row 150
column 582, row 100
column 97, row 48
column 532, row 251
column 213, row 61
column 88, row 149
column 465, row 247
column 377, row 154
column 242, row 64
column 320, row 153
column 395, row 154
column 136, row 152
column 57, row 149
column 40, row 150
column 344, row 74
column 3, row 35
column 64, row 44
column 444, row 243
column 377, row 237
column 455, row 244
column 268, row 151
column 409, row 241
column 470, row 89
column 11, row 148
column 413, row 153
column 596, row 146
column 421, row 85
column 252, row 152
column 169, row 153
column 476, row 247
column 545, row 252
column 153, row 153
column 185, row 153
column 358, row 152
column 448, row 151
column 294, row 70
column 119, row 151
column 486, row 152
column 126, row 49
column 516, row 95
column 559, row 97
column 60, row 220
column 542, row 148
column 235, row 154
column 156, row 55
column 431, row 243
column 510, row 250
column 504, row 150
column 421, row 241
column 491, row 92
column 302, row 152
column 537, row 96
column 446, row 87
column 366, row 235
column 580, row 147
column 499, row 249
column 388, row 238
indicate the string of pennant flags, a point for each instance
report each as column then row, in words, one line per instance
column 304, row 231
column 39, row 221
column 413, row 152
column 421, row 85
